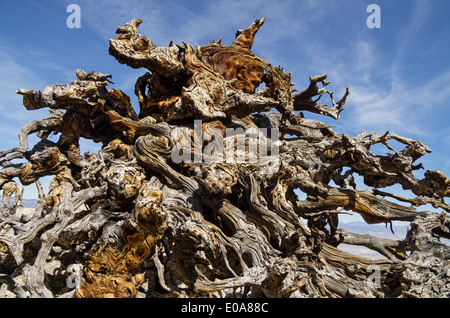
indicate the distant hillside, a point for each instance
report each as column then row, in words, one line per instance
column 377, row 230
column 27, row 203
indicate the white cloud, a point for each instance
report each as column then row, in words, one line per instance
column 14, row 76
column 421, row 11
column 200, row 21
column 105, row 16
column 403, row 107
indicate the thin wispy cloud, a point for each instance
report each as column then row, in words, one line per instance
column 12, row 77
column 396, row 101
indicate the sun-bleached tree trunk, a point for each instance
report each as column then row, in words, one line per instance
column 196, row 194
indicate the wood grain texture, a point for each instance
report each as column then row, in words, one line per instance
column 195, row 191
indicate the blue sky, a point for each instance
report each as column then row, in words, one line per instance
column 398, row 75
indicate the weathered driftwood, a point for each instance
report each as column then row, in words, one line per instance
column 195, row 195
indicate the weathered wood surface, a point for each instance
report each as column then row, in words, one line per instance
column 173, row 205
